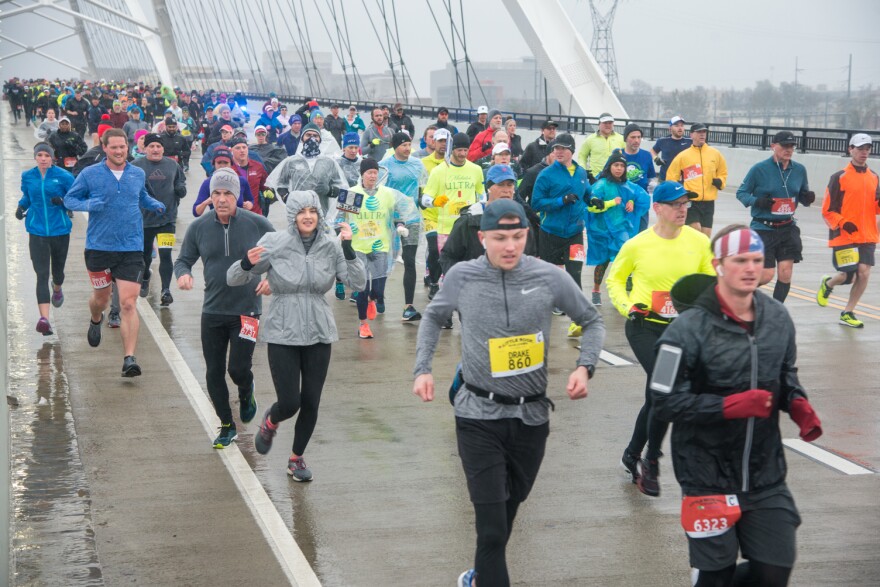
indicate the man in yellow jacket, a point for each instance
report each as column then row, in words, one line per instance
column 598, row 147
column 702, row 170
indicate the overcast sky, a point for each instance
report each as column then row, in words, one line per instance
column 673, row 44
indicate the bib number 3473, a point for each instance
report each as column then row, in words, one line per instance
column 709, row 515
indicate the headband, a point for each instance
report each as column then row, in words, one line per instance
column 738, row 242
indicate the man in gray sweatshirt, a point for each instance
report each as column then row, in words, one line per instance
column 505, row 300
column 230, row 315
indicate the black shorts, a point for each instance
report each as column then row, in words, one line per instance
column 123, row 265
column 782, row 244
column 866, row 256
column 556, row 249
column 765, row 533
column 500, row 458
column 702, row 212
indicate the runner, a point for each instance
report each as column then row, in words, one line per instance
column 505, row 301
column 377, row 138
column 481, row 145
column 666, row 148
column 850, row 209
column 268, row 150
column 597, row 147
column 537, row 150
column 113, row 193
column 428, row 142
column 479, row 125
column 252, row 170
column 349, row 160
column 67, row 144
column 639, row 167
column 221, row 237
column 725, row 369
column 702, row 169
column 222, row 159
column 299, row 325
column 42, row 208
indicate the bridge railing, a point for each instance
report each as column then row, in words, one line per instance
column 810, row 140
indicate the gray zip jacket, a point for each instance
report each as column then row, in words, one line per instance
column 493, row 304
column 299, row 314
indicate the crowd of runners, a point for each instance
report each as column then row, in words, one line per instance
column 506, row 230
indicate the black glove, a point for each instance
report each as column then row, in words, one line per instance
column 764, row 202
column 850, row 227
column 660, row 162
column 638, row 311
column 487, row 145
column 597, row 203
column 570, row 199
column 590, row 177
column 717, row 183
column 807, row 197
column 20, row 212
column 57, row 201
column 283, row 193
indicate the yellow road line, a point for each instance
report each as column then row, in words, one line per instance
column 834, row 297
column 800, row 296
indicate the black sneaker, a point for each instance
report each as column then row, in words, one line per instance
column 630, row 464
column 410, row 314
column 130, row 368
column 94, row 333
column 145, row 287
column 648, row 481
column 433, row 291
column 247, row 407
column 226, row 436
column 264, row 436
column 113, row 320
column 166, row 299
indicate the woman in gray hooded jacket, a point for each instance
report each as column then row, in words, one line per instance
column 303, row 264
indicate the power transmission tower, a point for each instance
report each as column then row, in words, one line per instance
column 603, row 44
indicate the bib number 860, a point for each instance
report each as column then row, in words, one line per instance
column 519, row 363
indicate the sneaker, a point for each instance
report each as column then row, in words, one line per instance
column 824, row 291
column 574, row 330
column 597, row 298
column 466, row 579
column 364, row 331
column 57, row 297
column 264, row 436
column 298, row 470
column 558, row 312
column 166, row 299
column 630, row 464
column 433, row 291
column 354, row 297
column 94, row 333
column 340, row 291
column 448, row 325
column 648, row 479
column 226, row 436
column 43, row 326
column 113, row 320
column 371, row 310
column 410, row 314
column 380, row 306
column 130, row 368
column 247, row 407
column 427, row 281
column 145, row 288
column 849, row 319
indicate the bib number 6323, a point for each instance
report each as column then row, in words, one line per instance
column 709, row 515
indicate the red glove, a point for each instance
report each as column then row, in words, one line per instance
column 802, row 414
column 755, row 403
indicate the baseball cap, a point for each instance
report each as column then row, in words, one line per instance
column 669, row 191
column 67, row 120
column 697, row 127
column 482, row 110
column 226, row 127
column 260, row 128
column 563, row 140
column 549, row 123
column 441, row 134
column 443, row 110
column 606, row 117
column 500, row 148
column 676, row 119
column 499, row 173
column 221, row 152
column 784, row 137
column 494, row 211
column 857, row 140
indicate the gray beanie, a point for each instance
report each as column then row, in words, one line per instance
column 44, row 148
column 493, row 113
column 225, row 179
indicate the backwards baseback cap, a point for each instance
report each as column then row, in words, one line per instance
column 738, row 242
column 482, row 110
column 860, row 139
column 495, row 211
column 225, row 179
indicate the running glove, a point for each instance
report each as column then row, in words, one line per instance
column 20, row 212
column 764, row 202
column 590, row 177
column 660, row 162
column 402, row 230
column 268, row 195
column 597, row 203
column 57, row 201
column 807, row 197
column 748, row 404
column 638, row 311
column 803, row 415
column 717, row 183
column 570, row 199
column 440, row 201
column 282, row 192
column 850, row 227
column 487, row 145
column 376, row 141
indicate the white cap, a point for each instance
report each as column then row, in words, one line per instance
column 860, row 139
column 482, row 110
column 65, row 119
column 499, row 148
column 441, row 134
column 675, row 120
column 259, row 128
column 605, row 117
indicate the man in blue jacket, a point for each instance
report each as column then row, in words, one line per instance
column 113, row 193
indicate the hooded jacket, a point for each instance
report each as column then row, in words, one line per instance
column 45, row 218
column 299, row 314
column 551, row 187
column 695, row 168
column 167, row 184
column 376, row 141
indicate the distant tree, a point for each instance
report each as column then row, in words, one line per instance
column 691, row 104
column 639, row 101
column 765, row 98
column 863, row 111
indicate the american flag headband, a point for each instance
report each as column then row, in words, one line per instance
column 738, row 242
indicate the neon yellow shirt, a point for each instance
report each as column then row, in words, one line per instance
column 371, row 228
column 430, row 214
column 597, row 149
column 461, row 185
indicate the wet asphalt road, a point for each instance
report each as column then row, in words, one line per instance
column 114, row 482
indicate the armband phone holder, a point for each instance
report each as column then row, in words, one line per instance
column 349, row 201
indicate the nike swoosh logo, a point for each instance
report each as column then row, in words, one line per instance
column 526, row 292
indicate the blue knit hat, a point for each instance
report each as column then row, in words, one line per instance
column 351, row 138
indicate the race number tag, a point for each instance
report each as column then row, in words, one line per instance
column 100, row 279
column 250, row 327
column 661, row 303
column 430, row 225
column 69, row 161
column 516, row 355
column 348, row 201
column 165, row 240
column 577, row 253
column 783, row 206
column 847, row 257
column 692, row 172
column 709, row 515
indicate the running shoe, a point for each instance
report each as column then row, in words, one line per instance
column 247, row 407
column 43, row 326
column 340, row 291
column 824, row 291
column 166, row 299
column 130, row 368
column 433, row 291
column 364, row 331
column 380, row 306
column 597, row 298
column 849, row 319
column 226, row 436
column 630, row 464
column 94, row 333
column 574, row 330
column 371, row 310
column 558, row 312
column 264, row 436
column 113, row 320
column 466, row 579
column 448, row 325
column 648, row 480
column 57, row 297
column 145, row 287
column 427, row 281
column 410, row 314
column 298, row 470
column 354, row 297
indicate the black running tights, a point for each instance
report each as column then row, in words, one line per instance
column 48, row 255
column 494, row 523
column 434, row 267
column 409, row 273
column 166, row 265
column 747, row 574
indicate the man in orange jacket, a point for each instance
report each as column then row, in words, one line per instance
column 850, row 209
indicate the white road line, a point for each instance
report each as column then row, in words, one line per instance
column 613, row 360
column 285, row 548
column 825, row 457
column 813, row 238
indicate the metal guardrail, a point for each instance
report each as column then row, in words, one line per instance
column 810, row 140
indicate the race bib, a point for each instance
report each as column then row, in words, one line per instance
column 430, row 225
column 69, row 161
column 369, row 229
column 250, row 327
column 847, row 257
column 577, row 253
column 692, row 172
column 783, row 206
column 661, row 304
column 455, row 208
column 100, row 279
column 516, row 355
column 709, row 515
column 165, row 240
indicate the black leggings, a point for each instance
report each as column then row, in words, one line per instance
column 48, row 255
column 434, row 268
column 298, row 373
column 599, row 275
column 166, row 265
column 747, row 574
column 219, row 333
column 409, row 273
column 642, row 336
column 494, row 523
column 374, row 290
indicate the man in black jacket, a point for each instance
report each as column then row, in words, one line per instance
column 77, row 109
column 401, row 121
column 67, row 144
column 540, row 147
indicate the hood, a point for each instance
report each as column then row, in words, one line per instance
column 686, row 290
column 296, row 201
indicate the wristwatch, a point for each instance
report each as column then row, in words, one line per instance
column 590, row 370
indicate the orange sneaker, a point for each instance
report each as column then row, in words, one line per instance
column 364, row 331
column 371, row 310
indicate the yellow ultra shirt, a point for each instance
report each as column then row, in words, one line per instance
column 430, row 214
column 461, row 185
